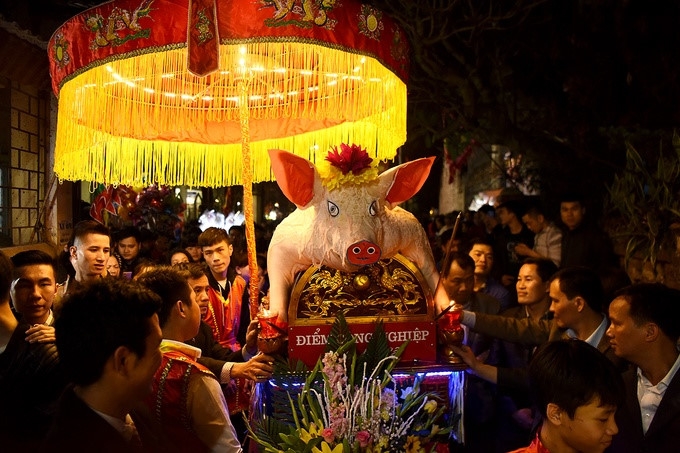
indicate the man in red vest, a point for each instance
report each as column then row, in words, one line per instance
column 187, row 401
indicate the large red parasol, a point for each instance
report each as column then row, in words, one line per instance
column 195, row 92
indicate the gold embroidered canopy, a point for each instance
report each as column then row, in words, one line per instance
column 183, row 91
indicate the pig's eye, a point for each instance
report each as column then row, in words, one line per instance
column 333, row 209
column 373, row 209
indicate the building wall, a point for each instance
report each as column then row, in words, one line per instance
column 28, row 172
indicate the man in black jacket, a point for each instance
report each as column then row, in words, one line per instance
column 645, row 331
column 30, row 377
column 108, row 339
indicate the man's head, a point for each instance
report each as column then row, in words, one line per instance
column 217, row 249
column 90, row 250
column 236, row 232
column 643, row 315
column 575, row 291
column 34, row 285
column 128, row 242
column 533, row 280
column 508, row 212
column 486, row 215
column 449, row 243
column 577, row 390
column 572, row 210
column 198, row 282
column 458, row 277
column 534, row 219
column 180, row 315
column 190, row 242
column 5, row 278
column 107, row 332
column 481, row 252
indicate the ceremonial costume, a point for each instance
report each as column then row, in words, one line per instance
column 536, row 446
column 188, row 403
column 224, row 311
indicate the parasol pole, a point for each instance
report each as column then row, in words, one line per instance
column 444, row 261
column 247, row 175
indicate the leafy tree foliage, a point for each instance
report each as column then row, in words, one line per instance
column 563, row 83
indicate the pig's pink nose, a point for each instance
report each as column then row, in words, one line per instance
column 362, row 253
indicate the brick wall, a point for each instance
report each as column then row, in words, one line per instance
column 28, row 148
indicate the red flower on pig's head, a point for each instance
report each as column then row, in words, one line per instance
column 349, row 159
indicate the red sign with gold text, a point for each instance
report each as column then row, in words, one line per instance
column 308, row 343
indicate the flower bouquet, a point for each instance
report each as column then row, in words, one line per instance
column 351, row 403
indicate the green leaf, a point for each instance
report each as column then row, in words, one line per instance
column 339, row 335
column 376, row 350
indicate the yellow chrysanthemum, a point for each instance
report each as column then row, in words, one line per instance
column 332, row 177
column 412, row 445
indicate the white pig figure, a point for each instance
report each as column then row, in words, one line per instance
column 345, row 221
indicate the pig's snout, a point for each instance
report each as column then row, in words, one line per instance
column 363, row 252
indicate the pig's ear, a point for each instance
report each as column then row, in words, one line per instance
column 294, row 175
column 406, row 179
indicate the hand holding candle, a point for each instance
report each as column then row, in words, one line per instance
column 451, row 332
column 270, row 337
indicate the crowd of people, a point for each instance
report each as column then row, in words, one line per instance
column 527, row 285
column 129, row 353
column 119, row 346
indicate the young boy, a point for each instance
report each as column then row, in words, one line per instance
column 576, row 390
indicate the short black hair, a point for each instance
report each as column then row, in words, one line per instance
column 514, row 206
column 31, row 258
column 487, row 209
column 5, row 277
column 581, row 281
column 464, row 260
column 190, row 235
column 478, row 240
column 170, row 283
column 97, row 319
column 545, row 268
column 193, row 270
column 654, row 302
column 573, row 197
column 212, row 236
column 239, row 258
column 85, row 227
column 129, row 232
column 534, row 210
column 570, row 373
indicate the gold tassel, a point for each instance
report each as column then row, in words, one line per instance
column 144, row 119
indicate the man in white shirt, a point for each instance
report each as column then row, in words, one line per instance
column 187, row 401
column 645, row 328
column 547, row 237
